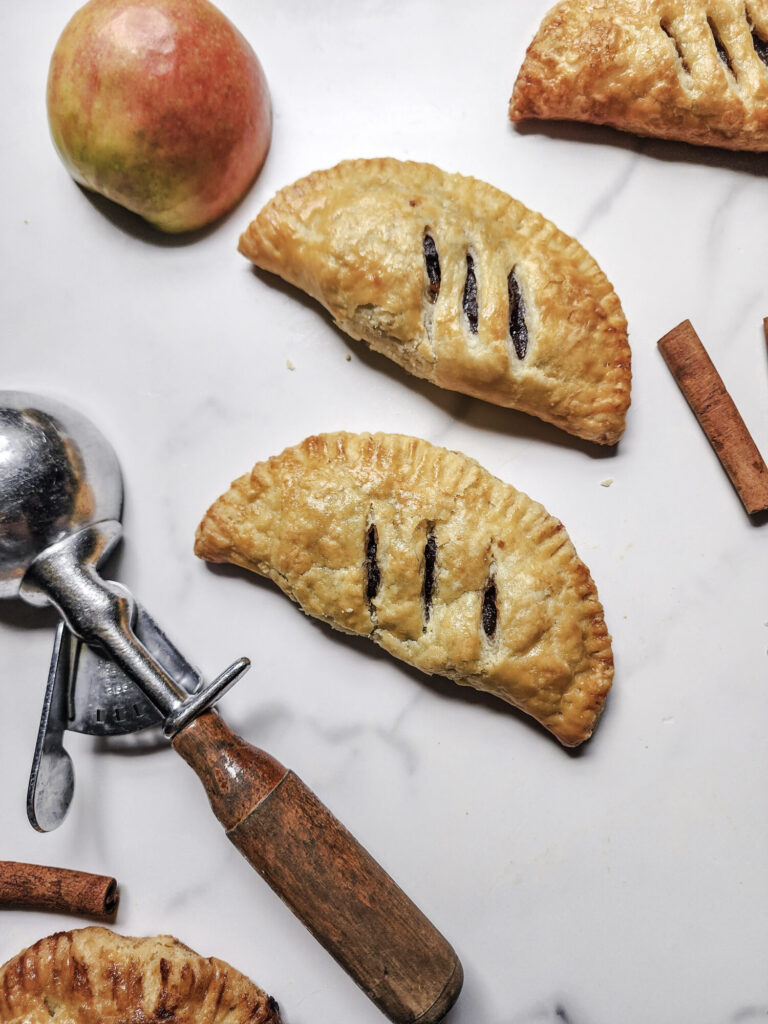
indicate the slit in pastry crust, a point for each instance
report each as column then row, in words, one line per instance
column 692, row 70
column 474, row 580
column 416, row 262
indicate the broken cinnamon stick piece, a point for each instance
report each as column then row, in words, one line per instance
column 715, row 410
column 37, row 887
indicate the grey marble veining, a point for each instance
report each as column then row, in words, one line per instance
column 625, row 882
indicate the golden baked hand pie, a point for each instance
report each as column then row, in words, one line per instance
column 678, row 69
column 440, row 563
column 94, row 976
column 458, row 283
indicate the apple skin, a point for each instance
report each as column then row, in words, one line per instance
column 161, row 106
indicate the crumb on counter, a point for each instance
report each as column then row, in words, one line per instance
column 290, row 364
column 607, row 482
column 349, row 357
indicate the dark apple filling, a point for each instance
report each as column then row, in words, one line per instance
column 666, row 30
column 490, row 609
column 722, row 50
column 518, row 330
column 372, row 571
column 432, row 261
column 469, row 299
column 760, row 45
column 430, row 558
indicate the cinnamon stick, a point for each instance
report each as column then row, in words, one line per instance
column 715, row 410
column 60, row 890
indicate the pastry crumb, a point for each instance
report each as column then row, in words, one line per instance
column 290, row 364
column 348, row 357
column 607, row 482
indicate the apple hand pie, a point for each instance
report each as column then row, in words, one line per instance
column 434, row 559
column 458, row 283
column 94, row 976
column 677, row 69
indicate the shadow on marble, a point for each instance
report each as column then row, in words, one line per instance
column 464, row 409
column 19, row 615
column 134, row 744
column 135, row 226
column 666, row 150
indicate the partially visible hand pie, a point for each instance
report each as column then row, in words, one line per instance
column 440, row 563
column 678, row 69
column 94, row 976
column 458, row 283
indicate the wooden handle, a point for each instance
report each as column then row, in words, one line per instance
column 38, row 887
column 348, row 902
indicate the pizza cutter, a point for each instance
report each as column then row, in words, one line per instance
column 114, row 671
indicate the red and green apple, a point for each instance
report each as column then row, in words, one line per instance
column 161, row 106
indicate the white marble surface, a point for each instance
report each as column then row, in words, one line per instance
column 624, row 883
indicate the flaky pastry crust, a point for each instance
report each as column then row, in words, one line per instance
column 434, row 559
column 677, row 69
column 94, row 976
column 458, row 283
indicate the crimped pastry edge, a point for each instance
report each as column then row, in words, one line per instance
column 583, row 703
column 606, row 421
column 535, row 98
column 94, row 974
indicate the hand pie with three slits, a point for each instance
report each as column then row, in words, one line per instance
column 437, row 561
column 458, row 283
column 692, row 70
